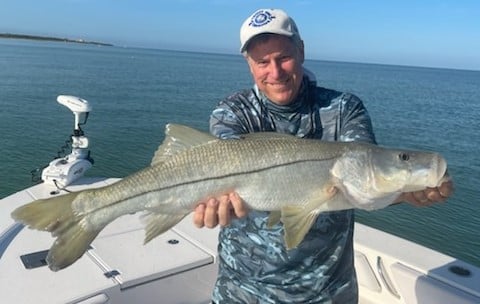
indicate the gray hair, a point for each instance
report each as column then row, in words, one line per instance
column 295, row 39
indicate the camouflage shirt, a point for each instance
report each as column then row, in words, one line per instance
column 254, row 265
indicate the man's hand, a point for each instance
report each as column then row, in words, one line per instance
column 219, row 211
column 428, row 196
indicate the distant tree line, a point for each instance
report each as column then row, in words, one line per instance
column 33, row 37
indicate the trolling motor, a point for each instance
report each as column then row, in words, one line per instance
column 63, row 171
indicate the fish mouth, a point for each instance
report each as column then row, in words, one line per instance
column 438, row 173
column 428, row 175
column 442, row 172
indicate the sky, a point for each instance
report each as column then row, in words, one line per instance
column 427, row 33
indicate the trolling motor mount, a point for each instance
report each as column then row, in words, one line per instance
column 63, row 171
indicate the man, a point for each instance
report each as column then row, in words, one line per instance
column 254, row 265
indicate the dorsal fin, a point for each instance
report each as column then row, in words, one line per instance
column 179, row 138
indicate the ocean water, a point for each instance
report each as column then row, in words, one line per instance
column 135, row 92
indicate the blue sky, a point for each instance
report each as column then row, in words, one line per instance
column 419, row 33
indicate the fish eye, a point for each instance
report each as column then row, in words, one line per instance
column 404, row 156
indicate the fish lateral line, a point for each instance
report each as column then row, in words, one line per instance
column 218, row 177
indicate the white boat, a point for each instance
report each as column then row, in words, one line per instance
column 180, row 265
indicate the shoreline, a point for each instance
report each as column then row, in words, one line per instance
column 55, row 39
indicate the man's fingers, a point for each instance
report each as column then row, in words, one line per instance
column 239, row 207
column 446, row 189
column 211, row 213
column 440, row 194
column 434, row 195
column 421, row 198
column 224, row 210
column 198, row 215
column 219, row 211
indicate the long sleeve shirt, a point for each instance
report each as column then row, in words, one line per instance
column 254, row 265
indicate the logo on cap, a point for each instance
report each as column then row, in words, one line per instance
column 261, row 18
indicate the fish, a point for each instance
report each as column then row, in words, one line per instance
column 294, row 178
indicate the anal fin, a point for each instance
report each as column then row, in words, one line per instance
column 158, row 223
column 274, row 218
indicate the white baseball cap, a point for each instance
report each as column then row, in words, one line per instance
column 274, row 21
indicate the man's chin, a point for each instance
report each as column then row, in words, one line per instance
column 281, row 100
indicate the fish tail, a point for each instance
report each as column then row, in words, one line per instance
column 70, row 245
column 57, row 216
column 52, row 214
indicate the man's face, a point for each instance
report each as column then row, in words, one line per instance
column 276, row 67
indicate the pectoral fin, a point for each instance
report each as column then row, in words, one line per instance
column 296, row 224
column 298, row 220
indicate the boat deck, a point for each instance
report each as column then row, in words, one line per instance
column 180, row 266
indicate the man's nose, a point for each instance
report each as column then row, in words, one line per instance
column 276, row 69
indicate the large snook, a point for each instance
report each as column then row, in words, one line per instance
column 294, row 178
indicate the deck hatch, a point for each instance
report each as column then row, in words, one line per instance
column 35, row 259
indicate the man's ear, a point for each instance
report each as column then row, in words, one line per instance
column 301, row 51
column 249, row 62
